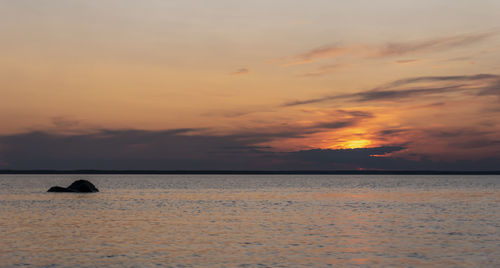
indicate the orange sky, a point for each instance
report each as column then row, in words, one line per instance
column 316, row 74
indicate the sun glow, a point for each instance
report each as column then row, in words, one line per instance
column 354, row 144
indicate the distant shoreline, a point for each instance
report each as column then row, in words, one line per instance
column 255, row 172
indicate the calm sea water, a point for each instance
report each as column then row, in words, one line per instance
column 251, row 221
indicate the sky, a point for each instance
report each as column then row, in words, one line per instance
column 245, row 85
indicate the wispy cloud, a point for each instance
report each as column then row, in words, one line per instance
column 436, row 44
column 328, row 51
column 325, row 69
column 390, row 49
column 452, row 78
column 342, row 119
column 486, row 84
column 240, row 71
column 391, row 131
column 406, row 61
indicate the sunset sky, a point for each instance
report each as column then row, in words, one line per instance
column 271, row 85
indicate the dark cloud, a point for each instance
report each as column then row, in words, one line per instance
column 474, row 143
column 375, row 95
column 493, row 89
column 140, row 149
column 337, row 124
column 467, row 139
column 343, row 119
column 392, row 131
column 355, row 113
column 183, row 149
column 242, row 111
column 309, row 101
column 381, row 95
column 486, row 84
column 121, row 149
column 453, row 78
column 435, row 104
column 340, row 159
column 455, row 133
column 352, row 118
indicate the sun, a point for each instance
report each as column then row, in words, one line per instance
column 354, row 144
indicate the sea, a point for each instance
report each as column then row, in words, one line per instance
column 251, row 221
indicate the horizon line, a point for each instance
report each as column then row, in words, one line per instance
column 252, row 172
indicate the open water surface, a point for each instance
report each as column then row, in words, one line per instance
column 251, row 221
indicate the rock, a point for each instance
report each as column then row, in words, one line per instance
column 83, row 186
column 79, row 186
column 59, row 189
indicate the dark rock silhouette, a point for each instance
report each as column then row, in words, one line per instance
column 59, row 189
column 79, row 186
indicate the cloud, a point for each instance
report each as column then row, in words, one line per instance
column 464, row 58
column 188, row 149
column 486, row 84
column 62, row 122
column 455, row 78
column 436, row 44
column 343, row 119
column 454, row 143
column 184, row 148
column 177, row 149
column 391, row 49
column 240, row 112
column 406, row 61
column 120, row 149
column 167, row 150
column 341, row 159
column 379, row 95
column 241, row 71
column 455, row 133
column 337, row 124
column 325, row 69
column 392, row 131
column 476, row 143
column 318, row 53
column 493, row 89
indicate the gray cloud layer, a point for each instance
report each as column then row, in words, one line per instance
column 179, row 149
column 173, row 149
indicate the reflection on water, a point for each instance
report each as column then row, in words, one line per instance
column 184, row 221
